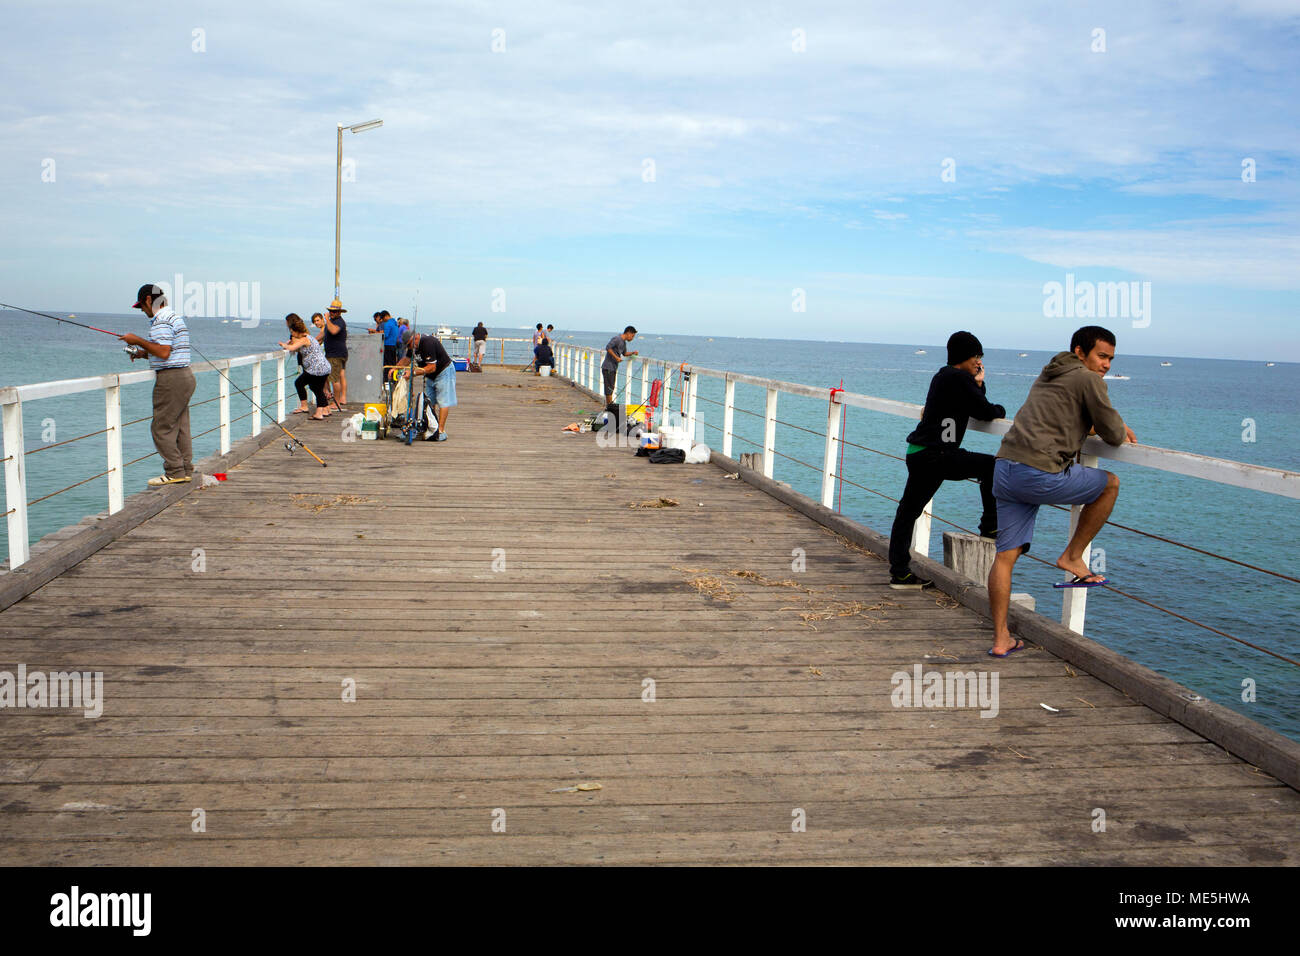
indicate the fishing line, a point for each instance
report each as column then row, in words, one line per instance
column 293, row 438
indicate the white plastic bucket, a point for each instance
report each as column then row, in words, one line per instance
column 674, row 438
column 545, row 371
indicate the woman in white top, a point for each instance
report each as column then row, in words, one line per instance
column 315, row 367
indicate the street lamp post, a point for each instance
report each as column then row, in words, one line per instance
column 338, row 191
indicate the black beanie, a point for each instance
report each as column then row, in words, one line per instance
column 961, row 346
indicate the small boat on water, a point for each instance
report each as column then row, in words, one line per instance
column 919, row 352
column 444, row 331
column 1024, row 355
column 1116, row 378
column 1269, row 364
column 1166, row 364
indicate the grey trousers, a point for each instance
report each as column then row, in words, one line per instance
column 172, row 389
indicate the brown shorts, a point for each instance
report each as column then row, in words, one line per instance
column 337, row 365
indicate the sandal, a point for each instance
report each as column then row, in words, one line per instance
column 1019, row 646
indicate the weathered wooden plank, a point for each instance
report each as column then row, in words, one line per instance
column 1128, row 794
column 1205, row 764
column 987, row 844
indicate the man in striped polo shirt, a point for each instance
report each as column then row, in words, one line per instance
column 168, row 348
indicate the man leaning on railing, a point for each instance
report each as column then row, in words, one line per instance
column 1036, row 466
column 168, row 349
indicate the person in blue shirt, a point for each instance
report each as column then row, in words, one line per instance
column 391, row 331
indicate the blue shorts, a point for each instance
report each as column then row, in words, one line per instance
column 1020, row 489
column 441, row 390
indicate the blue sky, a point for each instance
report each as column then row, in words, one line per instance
column 775, row 169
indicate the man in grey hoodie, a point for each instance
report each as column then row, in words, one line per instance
column 1036, row 466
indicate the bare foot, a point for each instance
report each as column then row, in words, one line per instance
column 1076, row 568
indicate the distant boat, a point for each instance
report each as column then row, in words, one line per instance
column 1269, row 364
column 1024, row 355
column 443, row 330
column 1117, row 378
column 919, row 352
column 225, row 321
column 1166, row 364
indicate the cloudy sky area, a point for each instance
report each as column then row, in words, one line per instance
column 774, row 169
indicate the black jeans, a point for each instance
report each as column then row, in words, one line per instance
column 926, row 471
column 317, row 383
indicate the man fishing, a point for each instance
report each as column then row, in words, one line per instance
column 935, row 455
column 168, row 349
column 430, row 358
column 1036, row 466
column 480, row 335
column 615, row 352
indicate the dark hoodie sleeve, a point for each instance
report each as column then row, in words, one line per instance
column 980, row 407
column 1105, row 420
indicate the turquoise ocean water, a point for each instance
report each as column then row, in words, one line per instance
column 1204, row 406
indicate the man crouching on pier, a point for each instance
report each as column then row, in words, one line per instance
column 1036, row 466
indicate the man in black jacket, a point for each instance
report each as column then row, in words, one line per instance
column 935, row 455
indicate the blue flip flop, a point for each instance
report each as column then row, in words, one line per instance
column 1019, row 646
column 1079, row 582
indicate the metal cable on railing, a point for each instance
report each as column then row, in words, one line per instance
column 231, row 422
column 1113, row 524
column 797, row 461
column 1108, row 587
column 69, row 488
column 1049, row 564
column 66, row 441
column 133, row 461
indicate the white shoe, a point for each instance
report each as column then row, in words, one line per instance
column 164, row 480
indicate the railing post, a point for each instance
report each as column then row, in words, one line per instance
column 666, row 394
column 16, row 484
column 833, row 416
column 279, row 387
column 257, row 397
column 769, row 433
column 223, row 390
column 921, row 530
column 645, row 380
column 692, row 384
column 503, row 351
column 728, row 415
column 113, row 422
column 1074, row 604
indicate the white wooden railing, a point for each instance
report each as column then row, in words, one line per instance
column 13, row 397
column 582, row 366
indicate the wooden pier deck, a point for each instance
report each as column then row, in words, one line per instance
column 481, row 690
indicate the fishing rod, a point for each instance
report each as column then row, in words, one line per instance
column 68, row 320
column 294, row 439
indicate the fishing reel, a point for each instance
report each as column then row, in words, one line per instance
column 288, row 446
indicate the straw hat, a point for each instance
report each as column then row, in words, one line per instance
column 336, row 306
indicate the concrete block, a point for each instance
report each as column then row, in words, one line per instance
column 969, row 555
